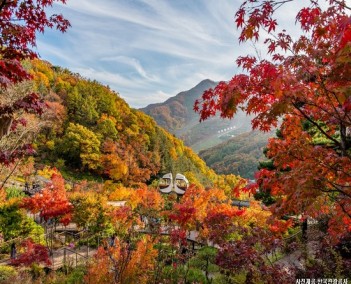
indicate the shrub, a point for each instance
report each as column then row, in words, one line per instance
column 7, row 272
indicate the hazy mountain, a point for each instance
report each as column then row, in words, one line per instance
column 239, row 155
column 177, row 116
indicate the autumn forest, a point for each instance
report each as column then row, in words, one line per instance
column 82, row 173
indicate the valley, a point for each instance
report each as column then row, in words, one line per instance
column 177, row 116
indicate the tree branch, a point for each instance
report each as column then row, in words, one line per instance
column 10, row 174
column 342, row 3
column 3, row 4
column 316, row 124
column 343, row 209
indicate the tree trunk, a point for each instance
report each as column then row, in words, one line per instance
column 13, row 250
column 5, row 125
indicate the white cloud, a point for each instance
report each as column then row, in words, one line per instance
column 52, row 50
column 133, row 63
column 102, row 76
column 147, row 50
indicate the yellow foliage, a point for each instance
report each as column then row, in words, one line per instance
column 47, row 172
column 173, row 153
column 2, row 197
column 119, row 171
column 88, row 206
column 68, row 187
column 109, row 186
column 41, row 79
column 50, row 144
column 192, row 179
column 120, row 194
column 148, row 198
column 107, row 117
column 255, row 215
column 227, row 183
column 43, row 67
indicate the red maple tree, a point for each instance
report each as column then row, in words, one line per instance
column 51, row 203
column 34, row 253
column 305, row 82
column 19, row 23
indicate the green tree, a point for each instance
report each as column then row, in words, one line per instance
column 205, row 261
column 90, row 211
column 82, row 108
column 81, row 146
column 14, row 223
column 107, row 128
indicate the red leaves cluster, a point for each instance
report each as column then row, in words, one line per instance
column 219, row 222
column 12, row 71
column 182, row 213
column 278, row 227
column 305, row 81
column 346, row 35
column 51, row 202
column 8, row 157
column 307, row 17
column 178, row 237
column 270, row 91
column 19, row 22
column 257, row 91
column 250, row 20
column 29, row 103
column 239, row 187
column 34, row 253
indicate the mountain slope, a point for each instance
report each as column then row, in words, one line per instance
column 94, row 131
column 176, row 112
column 177, row 116
column 239, row 155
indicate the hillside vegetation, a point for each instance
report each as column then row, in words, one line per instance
column 93, row 131
column 239, row 155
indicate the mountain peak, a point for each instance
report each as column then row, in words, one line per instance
column 176, row 115
column 199, row 88
column 177, row 111
column 205, row 83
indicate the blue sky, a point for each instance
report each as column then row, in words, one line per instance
column 146, row 50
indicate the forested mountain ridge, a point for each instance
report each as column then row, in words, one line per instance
column 94, row 130
column 176, row 112
column 177, row 116
column 239, row 155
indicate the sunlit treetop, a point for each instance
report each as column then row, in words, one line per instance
column 19, row 23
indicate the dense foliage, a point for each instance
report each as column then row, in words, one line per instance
column 94, row 130
column 19, row 23
column 201, row 237
column 239, row 155
column 305, row 81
